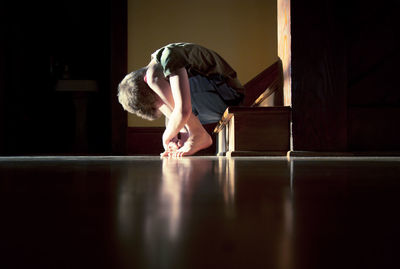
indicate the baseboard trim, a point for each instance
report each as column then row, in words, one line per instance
column 254, row 153
column 344, row 154
column 147, row 141
column 311, row 154
column 144, row 140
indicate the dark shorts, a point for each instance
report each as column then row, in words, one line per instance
column 210, row 98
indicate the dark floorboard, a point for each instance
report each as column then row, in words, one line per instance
column 199, row 212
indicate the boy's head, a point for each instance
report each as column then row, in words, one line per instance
column 137, row 97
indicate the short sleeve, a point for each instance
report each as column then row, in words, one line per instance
column 171, row 60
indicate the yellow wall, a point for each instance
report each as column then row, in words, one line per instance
column 243, row 32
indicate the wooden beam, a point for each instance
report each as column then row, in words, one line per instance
column 118, row 67
column 284, row 48
column 319, row 82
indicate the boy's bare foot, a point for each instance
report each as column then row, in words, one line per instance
column 196, row 139
column 194, row 144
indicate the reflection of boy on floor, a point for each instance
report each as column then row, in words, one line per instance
column 190, row 85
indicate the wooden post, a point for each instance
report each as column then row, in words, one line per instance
column 118, row 71
column 318, row 69
column 284, row 48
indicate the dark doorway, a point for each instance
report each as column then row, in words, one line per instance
column 80, row 43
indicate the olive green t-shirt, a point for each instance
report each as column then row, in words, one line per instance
column 197, row 60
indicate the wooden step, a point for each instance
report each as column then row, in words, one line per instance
column 254, row 131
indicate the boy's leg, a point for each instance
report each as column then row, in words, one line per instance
column 208, row 105
column 196, row 139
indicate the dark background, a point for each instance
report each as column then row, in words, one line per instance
column 41, row 39
column 345, row 88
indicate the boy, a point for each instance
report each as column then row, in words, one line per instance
column 189, row 84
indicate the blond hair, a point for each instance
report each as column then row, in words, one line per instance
column 137, row 97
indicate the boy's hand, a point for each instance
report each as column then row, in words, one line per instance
column 174, row 145
column 170, row 146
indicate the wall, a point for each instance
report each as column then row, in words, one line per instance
column 243, row 32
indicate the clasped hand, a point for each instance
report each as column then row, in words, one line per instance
column 171, row 148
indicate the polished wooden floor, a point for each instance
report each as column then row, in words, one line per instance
column 199, row 212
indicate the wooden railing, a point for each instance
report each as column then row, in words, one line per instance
column 261, row 126
column 264, row 85
column 259, row 89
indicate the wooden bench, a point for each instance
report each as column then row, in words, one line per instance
column 261, row 126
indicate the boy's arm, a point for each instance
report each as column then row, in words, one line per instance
column 183, row 132
column 175, row 95
column 180, row 89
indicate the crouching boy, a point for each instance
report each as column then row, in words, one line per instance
column 191, row 85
